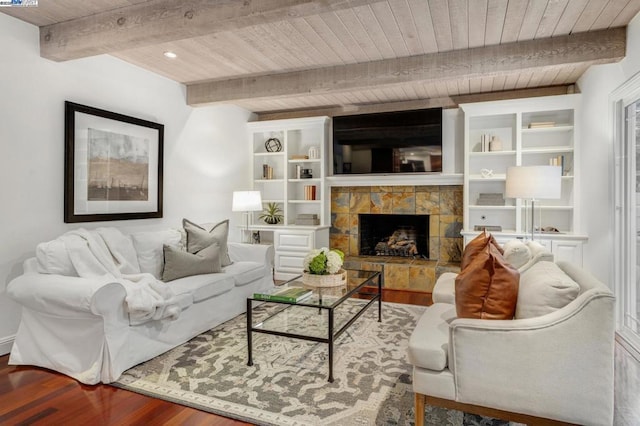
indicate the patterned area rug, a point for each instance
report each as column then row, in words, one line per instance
column 287, row 385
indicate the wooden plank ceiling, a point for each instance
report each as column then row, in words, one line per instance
column 343, row 55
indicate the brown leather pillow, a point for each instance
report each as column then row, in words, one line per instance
column 476, row 245
column 488, row 287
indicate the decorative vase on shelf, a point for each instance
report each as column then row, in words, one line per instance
column 495, row 144
column 314, row 153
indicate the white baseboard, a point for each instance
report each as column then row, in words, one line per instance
column 6, row 343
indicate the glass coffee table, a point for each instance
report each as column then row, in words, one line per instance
column 321, row 317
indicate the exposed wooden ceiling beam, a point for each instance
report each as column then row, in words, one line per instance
column 158, row 21
column 589, row 48
column 445, row 102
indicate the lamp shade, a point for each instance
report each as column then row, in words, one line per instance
column 534, row 182
column 246, row 201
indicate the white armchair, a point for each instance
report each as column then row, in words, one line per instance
column 556, row 367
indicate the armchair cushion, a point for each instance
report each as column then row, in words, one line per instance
column 488, row 287
column 544, row 288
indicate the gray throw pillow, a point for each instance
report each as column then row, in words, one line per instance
column 179, row 263
column 199, row 238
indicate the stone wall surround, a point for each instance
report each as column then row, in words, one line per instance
column 443, row 204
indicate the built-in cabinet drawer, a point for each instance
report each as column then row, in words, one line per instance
column 564, row 250
column 289, row 262
column 294, row 240
column 292, row 245
column 567, row 251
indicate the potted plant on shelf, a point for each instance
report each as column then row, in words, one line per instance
column 272, row 214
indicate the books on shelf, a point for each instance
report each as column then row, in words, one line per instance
column 540, row 124
column 299, row 157
column 289, row 294
column 308, row 219
column 490, row 199
column 267, row 171
column 309, row 192
column 488, row 228
column 485, row 139
column 308, row 222
column 558, row 161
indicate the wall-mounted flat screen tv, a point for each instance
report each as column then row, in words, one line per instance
column 388, row 142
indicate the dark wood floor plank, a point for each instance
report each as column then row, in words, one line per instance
column 40, row 415
column 13, row 404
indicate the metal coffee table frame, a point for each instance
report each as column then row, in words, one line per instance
column 368, row 278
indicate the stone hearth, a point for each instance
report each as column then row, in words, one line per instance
column 443, row 204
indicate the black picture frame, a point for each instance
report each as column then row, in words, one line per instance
column 113, row 166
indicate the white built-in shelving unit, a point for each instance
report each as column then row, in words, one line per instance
column 297, row 138
column 522, row 143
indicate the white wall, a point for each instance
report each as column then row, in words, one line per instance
column 209, row 160
column 597, row 153
column 204, row 160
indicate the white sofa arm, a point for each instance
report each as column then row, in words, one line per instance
column 557, row 363
column 65, row 296
column 261, row 253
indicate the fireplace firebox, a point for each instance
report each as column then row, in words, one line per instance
column 402, row 235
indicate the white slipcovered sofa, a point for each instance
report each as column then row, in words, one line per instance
column 87, row 327
column 552, row 363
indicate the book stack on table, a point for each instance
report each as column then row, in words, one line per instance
column 289, row 294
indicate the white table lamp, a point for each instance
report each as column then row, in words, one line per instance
column 246, row 202
column 534, row 183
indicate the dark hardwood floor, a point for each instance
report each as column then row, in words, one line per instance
column 35, row 396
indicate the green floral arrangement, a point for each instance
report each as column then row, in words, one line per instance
column 323, row 261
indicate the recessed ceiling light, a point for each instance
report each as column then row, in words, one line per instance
column 170, row 55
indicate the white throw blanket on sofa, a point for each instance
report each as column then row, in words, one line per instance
column 106, row 254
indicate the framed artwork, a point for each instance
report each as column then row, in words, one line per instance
column 113, row 166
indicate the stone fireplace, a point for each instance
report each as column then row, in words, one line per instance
column 401, row 235
column 438, row 207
